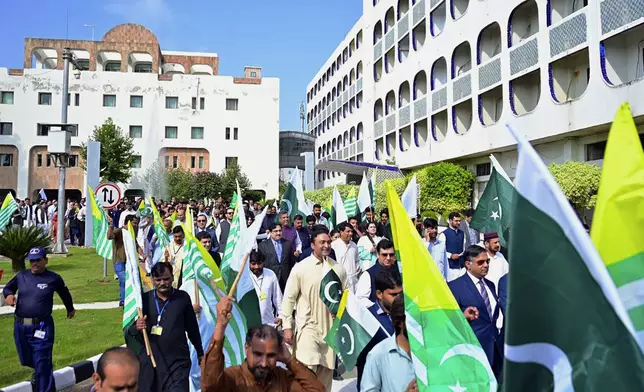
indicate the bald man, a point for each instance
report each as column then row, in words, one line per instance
column 117, row 370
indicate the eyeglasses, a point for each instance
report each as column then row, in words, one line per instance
column 388, row 254
column 201, row 220
column 481, row 262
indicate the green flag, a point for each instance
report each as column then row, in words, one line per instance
column 351, row 204
column 9, row 206
column 331, row 288
column 338, row 213
column 352, row 329
column 162, row 237
column 293, row 200
column 494, row 212
column 99, row 222
column 566, row 328
column 233, row 236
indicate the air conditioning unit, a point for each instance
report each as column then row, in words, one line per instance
column 60, row 138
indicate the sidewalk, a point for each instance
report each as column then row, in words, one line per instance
column 96, row 305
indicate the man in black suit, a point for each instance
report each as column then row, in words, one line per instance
column 278, row 254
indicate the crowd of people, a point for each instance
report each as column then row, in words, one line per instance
column 291, row 258
column 44, row 215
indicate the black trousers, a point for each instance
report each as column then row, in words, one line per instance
column 81, row 236
column 162, row 379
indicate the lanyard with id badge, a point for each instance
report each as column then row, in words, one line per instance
column 158, row 329
column 40, row 332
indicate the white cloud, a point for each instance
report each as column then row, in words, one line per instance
column 142, row 11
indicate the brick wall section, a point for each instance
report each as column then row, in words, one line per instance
column 247, row 81
column 184, row 156
column 44, row 177
column 9, row 175
column 189, row 61
column 166, row 77
column 16, row 72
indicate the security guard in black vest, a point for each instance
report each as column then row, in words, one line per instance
column 33, row 326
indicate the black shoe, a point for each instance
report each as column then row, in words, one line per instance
column 121, row 304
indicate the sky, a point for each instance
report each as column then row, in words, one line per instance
column 290, row 39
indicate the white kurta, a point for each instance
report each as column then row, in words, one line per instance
column 347, row 256
column 269, row 294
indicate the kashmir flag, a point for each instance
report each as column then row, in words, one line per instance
column 190, row 222
column 237, row 225
column 566, row 327
column 9, row 206
column 104, row 246
column 365, row 194
column 293, row 200
column 409, row 198
column 338, row 213
column 618, row 224
column 352, row 329
column 444, row 349
column 494, row 211
column 330, row 288
column 351, row 204
column 133, row 301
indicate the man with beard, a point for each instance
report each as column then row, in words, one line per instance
column 259, row 372
column 174, row 254
column 389, row 366
column 436, row 246
column 172, row 316
column 498, row 264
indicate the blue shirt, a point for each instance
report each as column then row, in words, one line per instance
column 437, row 250
column 36, row 293
column 388, row 369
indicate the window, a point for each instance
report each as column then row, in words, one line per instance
column 175, row 162
column 6, row 128
column 483, row 169
column 231, row 161
column 39, row 160
column 595, row 151
column 73, row 161
column 83, row 65
column 48, row 160
column 167, row 161
column 194, row 103
column 143, row 68
column 136, row 162
column 109, row 101
column 196, row 133
column 193, row 162
column 136, row 131
column 6, row 160
column 171, row 132
column 6, row 97
column 200, row 162
column 202, row 103
column 44, row 98
column 43, row 130
column 171, row 102
column 112, row 66
column 235, row 133
column 136, row 101
column 232, row 103
column 227, row 133
column 76, row 99
column 74, row 130
column 253, row 74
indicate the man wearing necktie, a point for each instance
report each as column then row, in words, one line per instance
column 478, row 300
column 278, row 254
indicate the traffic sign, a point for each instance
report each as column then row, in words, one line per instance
column 108, row 194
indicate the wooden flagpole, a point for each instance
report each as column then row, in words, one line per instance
column 231, row 292
column 148, row 349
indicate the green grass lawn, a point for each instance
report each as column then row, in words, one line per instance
column 89, row 333
column 82, row 271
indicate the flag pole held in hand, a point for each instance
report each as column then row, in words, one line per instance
column 148, row 349
column 231, row 292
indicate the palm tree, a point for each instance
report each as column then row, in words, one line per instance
column 16, row 241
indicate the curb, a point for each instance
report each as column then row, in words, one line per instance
column 64, row 378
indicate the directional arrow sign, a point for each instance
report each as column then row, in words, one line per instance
column 108, row 194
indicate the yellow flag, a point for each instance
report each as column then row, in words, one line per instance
column 618, row 224
column 190, row 224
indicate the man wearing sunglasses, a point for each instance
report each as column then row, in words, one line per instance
column 224, row 228
column 478, row 300
column 366, row 287
column 201, row 225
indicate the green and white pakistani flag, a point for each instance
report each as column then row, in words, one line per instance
column 293, row 200
column 365, row 194
column 566, row 328
column 103, row 245
column 351, row 204
column 133, row 291
column 330, row 288
column 352, row 329
column 494, row 211
column 9, row 206
column 338, row 213
column 445, row 352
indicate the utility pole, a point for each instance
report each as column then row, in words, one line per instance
column 92, row 27
column 302, row 116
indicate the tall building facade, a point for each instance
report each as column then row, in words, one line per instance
column 417, row 82
column 177, row 108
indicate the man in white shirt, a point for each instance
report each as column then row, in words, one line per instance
column 267, row 288
column 319, row 219
column 346, row 253
column 498, row 264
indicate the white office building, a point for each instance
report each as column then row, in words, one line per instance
column 422, row 81
column 177, row 108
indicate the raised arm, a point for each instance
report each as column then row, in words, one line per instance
column 213, row 376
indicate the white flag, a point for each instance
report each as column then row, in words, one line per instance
column 364, row 195
column 410, row 198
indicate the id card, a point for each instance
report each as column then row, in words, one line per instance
column 262, row 297
column 157, row 330
column 39, row 334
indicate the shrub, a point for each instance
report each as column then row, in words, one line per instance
column 399, row 185
column 324, row 196
column 16, row 241
column 579, row 181
column 444, row 187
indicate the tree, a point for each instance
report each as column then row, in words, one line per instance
column 205, row 184
column 16, row 241
column 117, row 153
column 155, row 181
column 179, row 182
column 444, row 187
column 228, row 183
column 579, row 181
